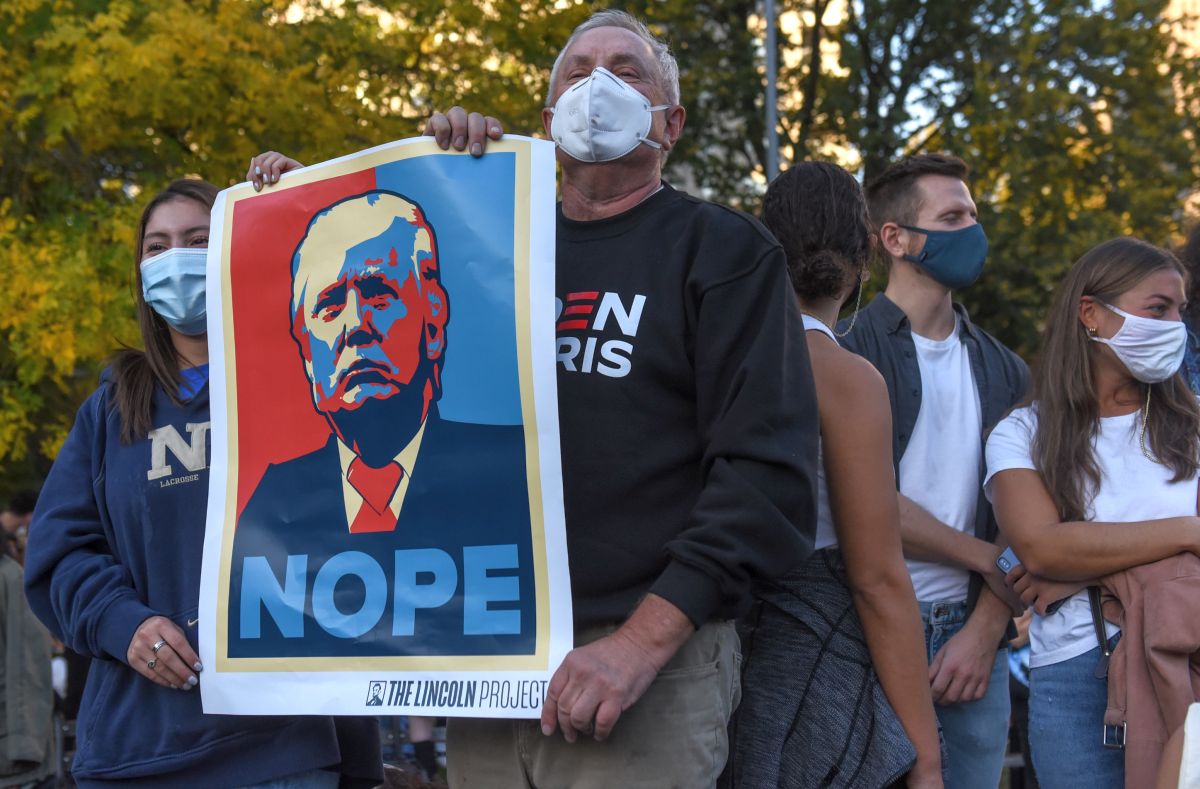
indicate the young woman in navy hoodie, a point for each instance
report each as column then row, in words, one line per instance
column 113, row 564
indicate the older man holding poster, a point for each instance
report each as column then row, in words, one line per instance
column 688, row 433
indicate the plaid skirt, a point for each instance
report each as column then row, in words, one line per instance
column 813, row 713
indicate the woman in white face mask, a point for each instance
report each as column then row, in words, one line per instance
column 1092, row 482
column 113, row 562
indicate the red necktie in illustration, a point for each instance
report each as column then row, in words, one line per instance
column 376, row 485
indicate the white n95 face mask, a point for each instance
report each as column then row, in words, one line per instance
column 602, row 118
column 1151, row 349
column 173, row 285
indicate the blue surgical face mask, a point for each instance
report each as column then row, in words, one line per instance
column 952, row 257
column 173, row 286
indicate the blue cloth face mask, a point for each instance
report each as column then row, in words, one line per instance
column 173, row 286
column 952, row 257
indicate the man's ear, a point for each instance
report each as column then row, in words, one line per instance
column 547, row 119
column 676, row 117
column 437, row 314
column 892, row 239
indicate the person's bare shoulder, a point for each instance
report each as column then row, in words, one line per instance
column 847, row 384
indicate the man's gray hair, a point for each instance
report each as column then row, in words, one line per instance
column 667, row 67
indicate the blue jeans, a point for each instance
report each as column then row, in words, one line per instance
column 1066, row 719
column 976, row 732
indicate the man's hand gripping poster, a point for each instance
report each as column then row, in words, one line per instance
column 385, row 524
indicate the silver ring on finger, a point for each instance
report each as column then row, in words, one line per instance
column 152, row 663
column 159, row 645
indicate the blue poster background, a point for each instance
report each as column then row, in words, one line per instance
column 480, row 376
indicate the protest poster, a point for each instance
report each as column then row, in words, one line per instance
column 385, row 526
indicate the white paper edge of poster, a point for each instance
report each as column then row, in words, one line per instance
column 326, row 693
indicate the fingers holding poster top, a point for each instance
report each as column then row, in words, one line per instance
column 458, row 128
column 266, row 168
column 463, row 130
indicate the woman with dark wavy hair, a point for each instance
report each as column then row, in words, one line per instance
column 113, row 562
column 1098, row 474
column 835, row 689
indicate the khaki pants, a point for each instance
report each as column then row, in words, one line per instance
column 673, row 736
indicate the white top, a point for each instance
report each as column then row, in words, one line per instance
column 1189, row 765
column 1132, row 488
column 826, row 536
column 940, row 466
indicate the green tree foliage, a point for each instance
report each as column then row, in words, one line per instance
column 1084, row 129
column 1078, row 118
column 103, row 102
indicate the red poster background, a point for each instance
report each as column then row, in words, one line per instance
column 275, row 415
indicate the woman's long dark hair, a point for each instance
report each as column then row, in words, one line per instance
column 1068, row 414
column 135, row 373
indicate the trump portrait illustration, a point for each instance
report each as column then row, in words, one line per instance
column 407, row 490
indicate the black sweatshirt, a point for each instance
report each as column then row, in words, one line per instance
column 687, row 411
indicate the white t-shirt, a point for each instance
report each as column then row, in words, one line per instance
column 940, row 466
column 1132, row 488
column 1189, row 764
